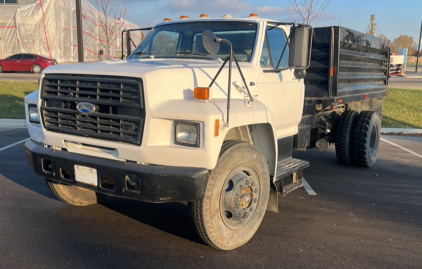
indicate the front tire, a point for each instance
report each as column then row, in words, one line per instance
column 236, row 197
column 366, row 139
column 74, row 195
column 1, row 69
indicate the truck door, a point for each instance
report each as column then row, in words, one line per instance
column 280, row 91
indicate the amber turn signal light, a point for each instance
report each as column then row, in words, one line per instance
column 184, row 17
column 167, row 19
column 204, row 16
column 201, row 93
column 253, row 15
column 217, row 128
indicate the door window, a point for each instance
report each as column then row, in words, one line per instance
column 16, row 57
column 272, row 52
column 29, row 57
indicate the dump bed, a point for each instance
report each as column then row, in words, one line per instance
column 346, row 65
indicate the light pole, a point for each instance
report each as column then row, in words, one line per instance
column 419, row 49
column 79, row 31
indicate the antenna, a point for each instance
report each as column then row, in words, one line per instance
column 234, row 15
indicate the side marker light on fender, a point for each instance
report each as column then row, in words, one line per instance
column 217, row 128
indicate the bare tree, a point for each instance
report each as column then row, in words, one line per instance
column 309, row 9
column 372, row 27
column 109, row 16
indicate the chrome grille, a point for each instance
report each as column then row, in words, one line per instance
column 119, row 104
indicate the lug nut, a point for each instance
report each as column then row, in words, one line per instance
column 236, row 206
column 255, row 191
column 253, row 184
column 247, row 182
column 255, row 200
column 251, row 208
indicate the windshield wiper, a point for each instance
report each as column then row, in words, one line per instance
column 199, row 54
column 144, row 54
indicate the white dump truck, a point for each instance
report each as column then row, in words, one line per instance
column 208, row 111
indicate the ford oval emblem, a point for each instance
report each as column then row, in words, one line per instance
column 86, row 107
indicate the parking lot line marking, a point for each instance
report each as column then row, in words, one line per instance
column 14, row 144
column 400, row 147
column 308, row 188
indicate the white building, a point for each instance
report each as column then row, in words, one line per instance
column 48, row 28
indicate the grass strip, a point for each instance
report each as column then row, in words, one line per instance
column 12, row 94
column 402, row 108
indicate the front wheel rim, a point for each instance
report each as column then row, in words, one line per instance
column 240, row 197
column 36, row 69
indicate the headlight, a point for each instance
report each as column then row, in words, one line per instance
column 186, row 133
column 34, row 116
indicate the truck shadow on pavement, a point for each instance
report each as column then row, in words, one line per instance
column 172, row 218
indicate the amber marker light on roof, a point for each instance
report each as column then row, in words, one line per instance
column 184, row 17
column 201, row 93
column 204, row 16
column 167, row 19
column 253, row 15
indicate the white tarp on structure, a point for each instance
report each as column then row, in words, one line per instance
column 48, row 28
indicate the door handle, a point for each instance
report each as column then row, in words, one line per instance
column 18, row 61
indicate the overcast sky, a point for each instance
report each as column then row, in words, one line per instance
column 393, row 17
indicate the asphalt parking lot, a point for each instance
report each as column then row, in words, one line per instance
column 360, row 218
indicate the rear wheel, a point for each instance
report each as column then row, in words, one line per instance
column 236, row 197
column 344, row 136
column 366, row 139
column 74, row 195
column 36, row 69
column 1, row 69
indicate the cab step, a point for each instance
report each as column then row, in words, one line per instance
column 289, row 166
column 294, row 168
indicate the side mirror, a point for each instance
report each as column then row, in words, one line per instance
column 211, row 42
column 300, row 46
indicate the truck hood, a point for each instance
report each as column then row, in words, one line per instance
column 167, row 80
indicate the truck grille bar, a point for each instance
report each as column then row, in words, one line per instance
column 119, row 106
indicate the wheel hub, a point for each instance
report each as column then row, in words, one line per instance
column 240, row 197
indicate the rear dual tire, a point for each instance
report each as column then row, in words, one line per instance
column 366, row 139
column 357, row 138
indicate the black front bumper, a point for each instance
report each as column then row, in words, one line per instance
column 149, row 183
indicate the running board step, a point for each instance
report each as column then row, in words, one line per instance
column 291, row 187
column 290, row 166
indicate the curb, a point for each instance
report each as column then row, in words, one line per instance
column 12, row 123
column 401, row 130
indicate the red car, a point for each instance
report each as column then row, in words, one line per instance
column 26, row 62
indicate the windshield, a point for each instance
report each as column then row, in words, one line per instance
column 184, row 40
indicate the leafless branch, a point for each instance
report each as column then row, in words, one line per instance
column 309, row 9
column 109, row 22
